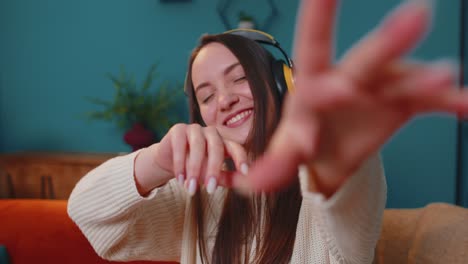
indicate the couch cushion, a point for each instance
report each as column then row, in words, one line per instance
column 40, row 231
column 441, row 235
column 437, row 233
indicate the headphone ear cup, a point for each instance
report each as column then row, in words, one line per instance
column 288, row 78
column 278, row 74
column 283, row 77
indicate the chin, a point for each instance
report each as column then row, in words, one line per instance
column 239, row 137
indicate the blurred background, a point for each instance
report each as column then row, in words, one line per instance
column 62, row 62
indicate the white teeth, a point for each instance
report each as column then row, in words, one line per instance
column 238, row 117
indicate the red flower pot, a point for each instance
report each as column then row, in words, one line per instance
column 139, row 137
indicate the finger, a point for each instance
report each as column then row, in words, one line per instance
column 324, row 92
column 420, row 81
column 452, row 101
column 196, row 156
column 398, row 33
column 400, row 69
column 215, row 151
column 291, row 145
column 269, row 173
column 313, row 45
column 179, row 151
column 238, row 155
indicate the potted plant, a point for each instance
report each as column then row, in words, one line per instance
column 245, row 21
column 142, row 112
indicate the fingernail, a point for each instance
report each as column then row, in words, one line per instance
column 192, row 187
column 181, row 179
column 244, row 168
column 211, row 186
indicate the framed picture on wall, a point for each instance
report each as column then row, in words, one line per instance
column 174, row 1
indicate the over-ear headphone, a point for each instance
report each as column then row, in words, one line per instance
column 282, row 69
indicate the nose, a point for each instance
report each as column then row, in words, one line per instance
column 227, row 100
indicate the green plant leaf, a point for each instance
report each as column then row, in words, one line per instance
column 149, row 77
column 98, row 101
column 115, row 81
column 156, row 109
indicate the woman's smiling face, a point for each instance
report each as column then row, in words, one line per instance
column 223, row 92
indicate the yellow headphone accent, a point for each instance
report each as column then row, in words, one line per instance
column 289, row 78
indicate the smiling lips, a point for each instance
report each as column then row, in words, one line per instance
column 239, row 118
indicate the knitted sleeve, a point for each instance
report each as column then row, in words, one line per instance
column 120, row 224
column 349, row 222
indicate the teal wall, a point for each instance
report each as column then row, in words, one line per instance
column 55, row 52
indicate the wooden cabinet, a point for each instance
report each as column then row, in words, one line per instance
column 45, row 175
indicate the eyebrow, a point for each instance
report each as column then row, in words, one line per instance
column 225, row 72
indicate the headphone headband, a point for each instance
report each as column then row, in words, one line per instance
column 261, row 37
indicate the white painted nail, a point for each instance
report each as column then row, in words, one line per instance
column 211, row 186
column 181, row 179
column 244, row 168
column 192, row 187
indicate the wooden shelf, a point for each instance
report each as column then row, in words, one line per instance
column 45, row 175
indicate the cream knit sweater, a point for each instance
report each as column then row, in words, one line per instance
column 122, row 225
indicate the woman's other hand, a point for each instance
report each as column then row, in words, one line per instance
column 191, row 153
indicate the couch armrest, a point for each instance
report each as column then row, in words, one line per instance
column 437, row 233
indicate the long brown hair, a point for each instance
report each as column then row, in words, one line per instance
column 269, row 219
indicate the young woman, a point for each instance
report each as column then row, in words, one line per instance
column 304, row 188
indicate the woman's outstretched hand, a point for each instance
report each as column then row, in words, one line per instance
column 342, row 113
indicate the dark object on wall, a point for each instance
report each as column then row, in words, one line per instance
column 461, row 184
column 223, row 7
column 174, row 1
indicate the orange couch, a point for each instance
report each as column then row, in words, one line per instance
column 434, row 234
column 40, row 231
